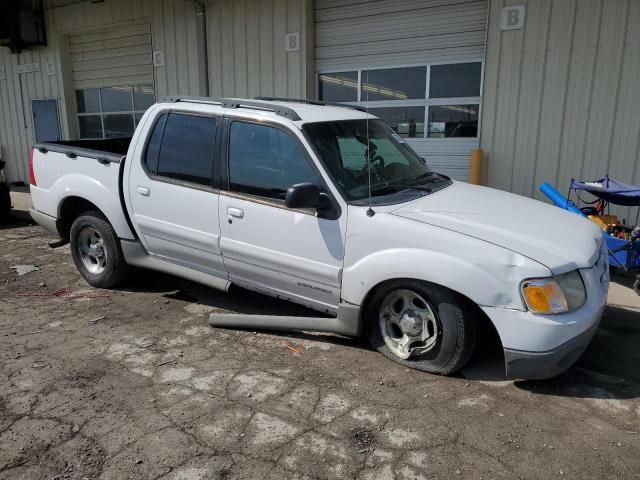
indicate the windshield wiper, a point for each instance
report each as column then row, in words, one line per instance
column 423, row 176
column 398, row 188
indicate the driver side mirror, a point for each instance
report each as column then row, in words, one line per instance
column 303, row 195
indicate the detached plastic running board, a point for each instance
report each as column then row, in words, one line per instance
column 346, row 323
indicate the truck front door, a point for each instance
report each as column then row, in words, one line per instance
column 291, row 253
column 172, row 194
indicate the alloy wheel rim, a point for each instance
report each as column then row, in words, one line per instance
column 408, row 323
column 93, row 254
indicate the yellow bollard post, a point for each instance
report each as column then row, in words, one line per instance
column 475, row 166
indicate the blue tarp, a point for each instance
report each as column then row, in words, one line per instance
column 611, row 190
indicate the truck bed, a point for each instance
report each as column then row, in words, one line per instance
column 86, row 169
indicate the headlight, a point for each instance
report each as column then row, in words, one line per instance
column 559, row 294
column 573, row 288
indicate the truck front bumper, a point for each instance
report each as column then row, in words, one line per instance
column 543, row 365
column 543, row 346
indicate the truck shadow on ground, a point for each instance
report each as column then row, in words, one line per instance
column 609, row 369
column 236, row 300
column 17, row 222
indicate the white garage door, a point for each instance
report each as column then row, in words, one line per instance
column 112, row 72
column 416, row 63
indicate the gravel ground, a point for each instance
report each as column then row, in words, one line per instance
column 133, row 383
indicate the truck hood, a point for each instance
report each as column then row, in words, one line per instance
column 558, row 239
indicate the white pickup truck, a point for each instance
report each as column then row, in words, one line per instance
column 326, row 206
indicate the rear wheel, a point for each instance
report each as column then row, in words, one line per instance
column 96, row 251
column 422, row 325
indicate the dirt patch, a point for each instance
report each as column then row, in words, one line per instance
column 150, row 391
column 364, row 440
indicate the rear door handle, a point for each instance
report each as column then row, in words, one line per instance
column 235, row 212
column 144, row 191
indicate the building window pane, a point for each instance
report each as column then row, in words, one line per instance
column 90, row 126
column 455, row 80
column 142, row 97
column 88, row 100
column 130, row 103
column 119, row 125
column 447, row 121
column 394, row 84
column 116, row 99
column 408, row 122
column 186, row 152
column 338, row 87
column 265, row 161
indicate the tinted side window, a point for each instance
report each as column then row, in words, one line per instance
column 153, row 147
column 186, row 152
column 265, row 161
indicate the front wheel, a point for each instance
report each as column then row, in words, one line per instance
column 422, row 326
column 96, row 251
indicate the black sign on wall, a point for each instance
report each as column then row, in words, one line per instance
column 21, row 24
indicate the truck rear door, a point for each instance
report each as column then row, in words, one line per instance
column 172, row 195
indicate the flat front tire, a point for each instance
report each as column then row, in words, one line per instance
column 422, row 326
column 96, row 251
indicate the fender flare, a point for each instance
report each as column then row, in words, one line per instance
column 461, row 276
column 91, row 190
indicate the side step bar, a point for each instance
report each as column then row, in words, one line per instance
column 346, row 323
column 136, row 255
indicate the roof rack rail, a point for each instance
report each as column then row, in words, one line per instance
column 280, row 110
column 312, row 102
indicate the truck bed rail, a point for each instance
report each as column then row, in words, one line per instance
column 105, row 151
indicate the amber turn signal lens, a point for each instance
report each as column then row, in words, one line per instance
column 544, row 295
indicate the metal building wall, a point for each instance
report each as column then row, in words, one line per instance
column 246, row 48
column 173, row 31
column 247, row 54
column 360, row 33
column 562, row 96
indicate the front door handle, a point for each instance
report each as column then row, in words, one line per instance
column 144, row 191
column 235, row 212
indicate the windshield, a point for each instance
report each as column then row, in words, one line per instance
column 352, row 157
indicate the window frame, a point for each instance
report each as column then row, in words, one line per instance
column 225, row 187
column 425, row 102
column 215, row 167
column 101, row 113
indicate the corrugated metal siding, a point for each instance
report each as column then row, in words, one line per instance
column 364, row 33
column 561, row 96
column 246, row 57
column 247, row 54
column 173, row 31
column 449, row 156
column 112, row 57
